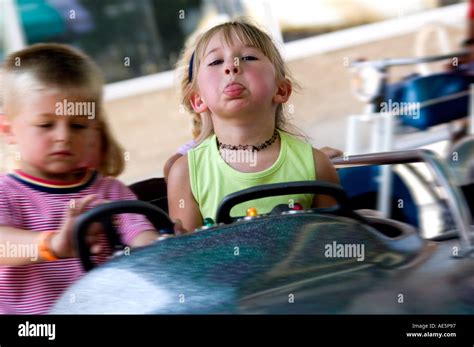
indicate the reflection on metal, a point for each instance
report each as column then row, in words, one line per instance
column 461, row 161
column 383, row 64
column 285, row 289
column 455, row 199
column 289, row 264
column 389, row 259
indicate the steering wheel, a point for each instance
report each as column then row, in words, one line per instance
column 103, row 214
column 301, row 187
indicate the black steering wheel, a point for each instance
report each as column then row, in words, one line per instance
column 301, row 187
column 104, row 213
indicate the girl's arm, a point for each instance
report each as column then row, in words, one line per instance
column 12, row 240
column 181, row 203
column 169, row 163
column 332, row 152
column 325, row 171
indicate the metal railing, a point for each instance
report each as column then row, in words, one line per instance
column 455, row 199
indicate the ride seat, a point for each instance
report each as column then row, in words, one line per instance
column 152, row 190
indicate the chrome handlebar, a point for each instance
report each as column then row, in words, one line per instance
column 382, row 64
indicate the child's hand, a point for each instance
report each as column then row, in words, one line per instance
column 62, row 244
column 179, row 229
column 331, row 152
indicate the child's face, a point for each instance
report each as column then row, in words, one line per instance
column 234, row 79
column 52, row 140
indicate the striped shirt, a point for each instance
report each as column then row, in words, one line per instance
column 29, row 203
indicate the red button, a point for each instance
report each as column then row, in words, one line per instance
column 297, row 207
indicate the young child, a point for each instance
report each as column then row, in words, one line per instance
column 202, row 123
column 239, row 78
column 52, row 100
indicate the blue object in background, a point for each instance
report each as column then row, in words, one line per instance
column 78, row 20
column 421, row 89
column 41, row 22
column 361, row 185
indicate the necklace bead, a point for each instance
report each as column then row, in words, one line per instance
column 252, row 148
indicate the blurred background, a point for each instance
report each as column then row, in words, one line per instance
column 136, row 44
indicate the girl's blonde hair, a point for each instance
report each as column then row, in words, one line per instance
column 201, row 124
column 61, row 68
column 190, row 60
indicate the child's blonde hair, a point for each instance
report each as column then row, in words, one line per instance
column 190, row 60
column 201, row 124
column 60, row 68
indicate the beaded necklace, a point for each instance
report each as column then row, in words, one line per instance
column 252, row 148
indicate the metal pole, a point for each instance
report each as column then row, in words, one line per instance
column 456, row 202
column 385, row 129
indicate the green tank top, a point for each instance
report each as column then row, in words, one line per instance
column 212, row 178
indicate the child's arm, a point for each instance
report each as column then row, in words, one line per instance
column 11, row 238
column 60, row 243
column 181, row 203
column 331, row 152
column 325, row 171
column 169, row 163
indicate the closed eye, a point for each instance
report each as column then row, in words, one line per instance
column 249, row 57
column 216, row 62
column 45, row 125
column 78, row 126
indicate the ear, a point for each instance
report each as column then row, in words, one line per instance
column 5, row 129
column 283, row 92
column 198, row 103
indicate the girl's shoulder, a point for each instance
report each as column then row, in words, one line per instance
column 296, row 140
column 204, row 145
column 325, row 170
column 184, row 148
column 202, row 153
column 296, row 148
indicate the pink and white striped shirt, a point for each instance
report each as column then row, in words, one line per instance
column 33, row 204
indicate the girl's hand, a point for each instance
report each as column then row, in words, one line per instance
column 179, row 229
column 62, row 244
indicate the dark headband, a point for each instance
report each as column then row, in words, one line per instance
column 190, row 68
